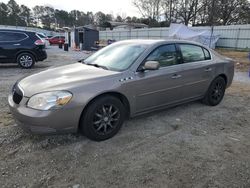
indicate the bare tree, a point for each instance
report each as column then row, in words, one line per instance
column 170, row 10
column 188, row 9
column 149, row 8
column 229, row 10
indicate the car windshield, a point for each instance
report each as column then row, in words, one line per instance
column 117, row 57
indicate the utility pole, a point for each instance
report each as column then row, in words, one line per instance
column 212, row 22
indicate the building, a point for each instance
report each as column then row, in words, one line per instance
column 83, row 37
column 124, row 25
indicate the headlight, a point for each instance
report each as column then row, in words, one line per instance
column 49, row 100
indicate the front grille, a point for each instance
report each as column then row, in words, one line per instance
column 17, row 94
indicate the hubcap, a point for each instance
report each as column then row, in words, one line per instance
column 26, row 61
column 106, row 119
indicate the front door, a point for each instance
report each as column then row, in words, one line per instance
column 161, row 87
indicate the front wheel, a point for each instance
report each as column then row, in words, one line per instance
column 215, row 92
column 25, row 60
column 103, row 118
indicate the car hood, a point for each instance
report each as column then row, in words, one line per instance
column 63, row 78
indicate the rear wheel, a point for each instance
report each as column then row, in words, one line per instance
column 215, row 92
column 103, row 118
column 25, row 60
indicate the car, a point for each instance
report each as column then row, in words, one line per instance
column 48, row 37
column 44, row 38
column 125, row 79
column 57, row 40
column 21, row 47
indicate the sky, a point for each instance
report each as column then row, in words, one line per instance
column 121, row 7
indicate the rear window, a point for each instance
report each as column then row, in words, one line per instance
column 191, row 53
column 11, row 36
column 207, row 54
column 41, row 36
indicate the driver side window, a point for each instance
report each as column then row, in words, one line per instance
column 166, row 55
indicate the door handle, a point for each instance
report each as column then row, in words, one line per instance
column 208, row 69
column 176, row 76
column 16, row 44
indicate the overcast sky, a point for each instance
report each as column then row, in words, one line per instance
column 121, row 7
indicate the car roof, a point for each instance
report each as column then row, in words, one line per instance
column 18, row 30
column 152, row 42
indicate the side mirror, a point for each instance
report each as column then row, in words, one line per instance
column 151, row 65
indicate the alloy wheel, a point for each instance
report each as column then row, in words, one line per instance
column 26, row 61
column 217, row 92
column 106, row 119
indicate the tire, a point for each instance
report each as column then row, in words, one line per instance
column 25, row 60
column 103, row 118
column 215, row 92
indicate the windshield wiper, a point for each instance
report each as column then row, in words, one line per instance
column 96, row 65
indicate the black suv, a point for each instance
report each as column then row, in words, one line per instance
column 22, row 47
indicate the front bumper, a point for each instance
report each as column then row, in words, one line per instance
column 44, row 122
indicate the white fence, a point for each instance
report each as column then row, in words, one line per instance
column 233, row 36
column 46, row 32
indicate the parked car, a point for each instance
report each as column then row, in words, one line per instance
column 22, row 47
column 44, row 38
column 57, row 40
column 49, row 36
column 122, row 80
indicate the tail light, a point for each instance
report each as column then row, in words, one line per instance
column 39, row 42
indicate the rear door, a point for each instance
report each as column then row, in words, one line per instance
column 10, row 44
column 197, row 70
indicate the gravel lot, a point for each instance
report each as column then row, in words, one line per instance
column 192, row 145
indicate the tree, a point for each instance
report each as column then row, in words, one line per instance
column 48, row 17
column 150, row 9
column 38, row 13
column 187, row 10
column 14, row 10
column 101, row 19
column 230, row 10
column 170, row 11
column 119, row 19
column 4, row 11
column 62, row 18
column 25, row 15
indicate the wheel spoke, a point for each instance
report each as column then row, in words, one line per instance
column 104, row 110
column 114, row 119
column 110, row 108
column 98, row 115
column 99, row 128
column 105, row 128
column 114, row 113
column 98, row 122
column 110, row 124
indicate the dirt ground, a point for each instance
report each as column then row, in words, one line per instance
column 191, row 145
column 242, row 61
